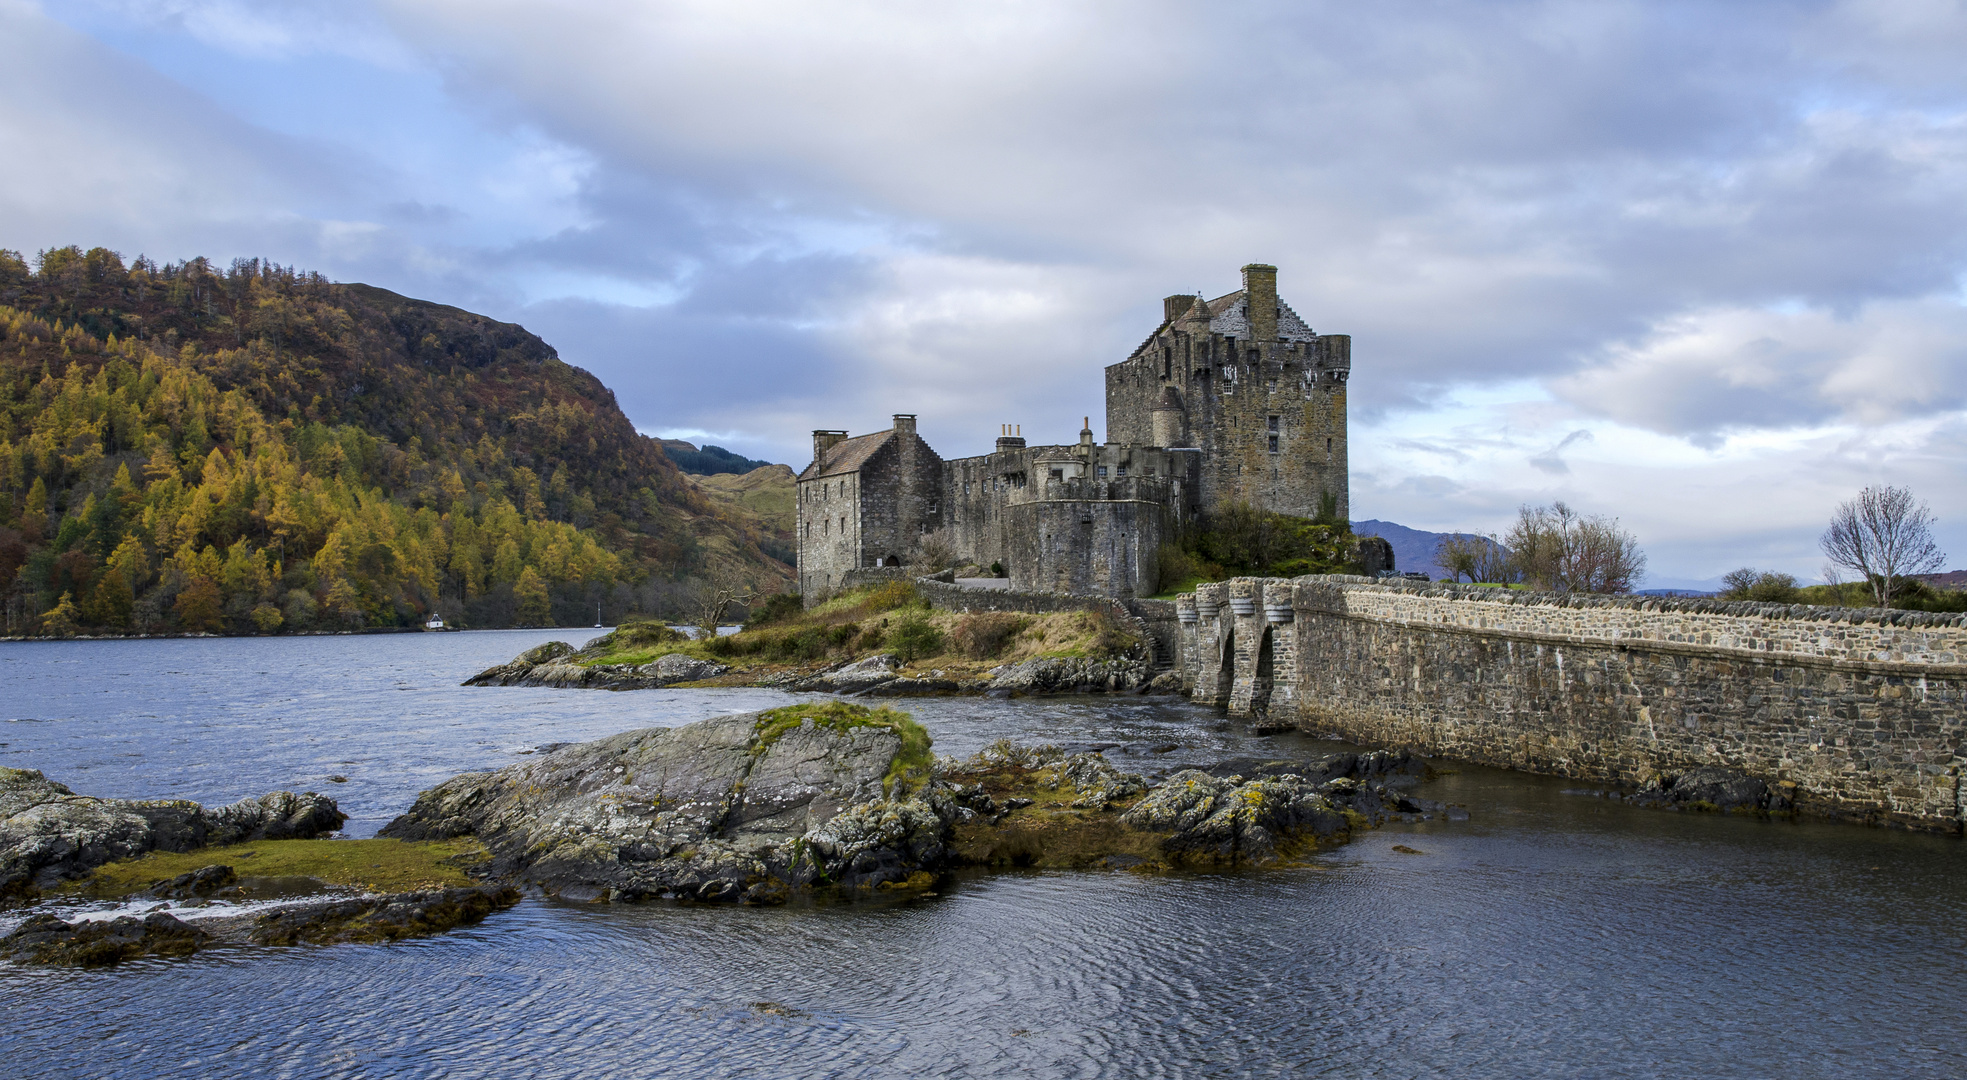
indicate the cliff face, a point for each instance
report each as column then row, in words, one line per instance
column 255, row 448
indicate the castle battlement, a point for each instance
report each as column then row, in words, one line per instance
column 1234, row 399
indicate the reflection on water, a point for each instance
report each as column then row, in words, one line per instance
column 1550, row 936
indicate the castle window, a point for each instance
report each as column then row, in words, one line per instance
column 1101, row 473
column 1328, row 448
column 1273, row 444
column 1270, row 387
column 843, row 526
column 1123, row 470
column 1167, row 361
column 1058, row 474
column 1271, row 424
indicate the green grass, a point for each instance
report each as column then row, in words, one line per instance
column 376, row 865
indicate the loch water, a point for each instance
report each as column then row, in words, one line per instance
column 1550, row 935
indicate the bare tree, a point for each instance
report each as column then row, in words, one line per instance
column 712, row 597
column 1458, row 553
column 1564, row 551
column 1477, row 557
column 1496, row 564
column 935, row 551
column 1884, row 535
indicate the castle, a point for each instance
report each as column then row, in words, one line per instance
column 1228, row 400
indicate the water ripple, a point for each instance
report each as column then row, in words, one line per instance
column 1551, row 936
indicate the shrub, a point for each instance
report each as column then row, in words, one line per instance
column 984, row 635
column 913, row 637
column 637, row 634
column 775, row 608
column 1767, row 586
column 1109, row 640
column 891, row 596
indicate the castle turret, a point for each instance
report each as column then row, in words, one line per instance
column 1169, row 426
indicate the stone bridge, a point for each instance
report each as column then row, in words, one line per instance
column 1859, row 711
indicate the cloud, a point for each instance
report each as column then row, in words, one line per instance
column 1552, row 460
column 1695, row 265
column 1707, row 373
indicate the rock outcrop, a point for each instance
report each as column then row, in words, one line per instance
column 1714, row 788
column 48, row 833
column 737, row 807
column 1057, row 675
column 556, row 664
column 45, row 939
column 756, row 806
column 392, row 917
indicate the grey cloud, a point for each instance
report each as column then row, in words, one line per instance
column 1535, row 178
column 1552, row 460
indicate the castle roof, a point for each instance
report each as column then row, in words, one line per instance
column 1229, row 314
column 847, row 455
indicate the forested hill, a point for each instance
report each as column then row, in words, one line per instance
column 254, row 449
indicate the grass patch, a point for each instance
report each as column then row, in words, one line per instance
column 891, row 617
column 912, row 762
column 375, row 865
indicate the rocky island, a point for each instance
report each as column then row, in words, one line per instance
column 881, row 641
column 824, row 799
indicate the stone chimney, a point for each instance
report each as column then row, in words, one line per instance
column 1086, row 433
column 1010, row 437
column 904, row 423
column 1260, row 293
column 825, row 440
column 1174, row 307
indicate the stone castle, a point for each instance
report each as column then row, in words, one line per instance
column 1228, row 400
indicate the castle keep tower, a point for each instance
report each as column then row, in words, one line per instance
column 1229, row 400
column 1242, row 379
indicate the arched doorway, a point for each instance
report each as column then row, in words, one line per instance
column 892, row 560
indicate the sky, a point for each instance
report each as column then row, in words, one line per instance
column 1695, row 266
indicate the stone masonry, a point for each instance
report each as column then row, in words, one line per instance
column 1861, row 711
column 1232, row 399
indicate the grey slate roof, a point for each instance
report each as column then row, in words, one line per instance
column 848, row 455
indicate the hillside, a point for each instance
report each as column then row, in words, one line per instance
column 256, row 449
column 763, row 499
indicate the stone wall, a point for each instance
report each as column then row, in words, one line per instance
column 1863, row 711
column 829, row 531
column 1089, row 536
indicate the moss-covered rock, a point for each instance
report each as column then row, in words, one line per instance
column 49, row 834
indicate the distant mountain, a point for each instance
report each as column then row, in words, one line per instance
column 708, row 461
column 254, row 449
column 1413, row 549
